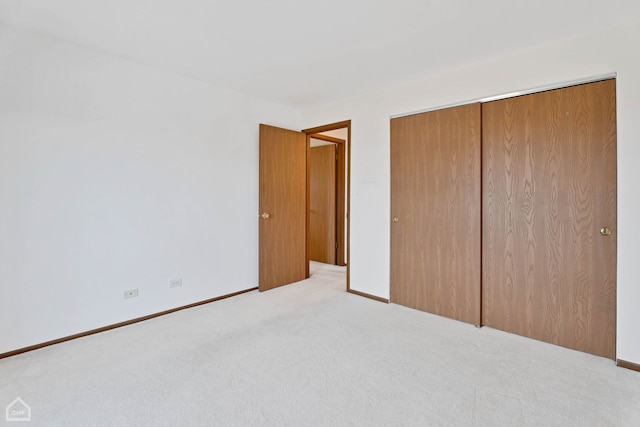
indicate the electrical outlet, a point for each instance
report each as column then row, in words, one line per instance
column 131, row 293
column 175, row 283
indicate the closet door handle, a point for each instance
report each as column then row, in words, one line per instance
column 605, row 231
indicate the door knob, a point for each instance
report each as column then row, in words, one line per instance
column 605, row 231
column 265, row 216
column 395, row 219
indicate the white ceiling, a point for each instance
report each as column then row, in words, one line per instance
column 303, row 52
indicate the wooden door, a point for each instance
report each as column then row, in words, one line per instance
column 435, row 210
column 549, row 185
column 283, row 207
column 322, row 242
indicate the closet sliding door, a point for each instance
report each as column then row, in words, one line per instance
column 549, row 216
column 435, row 211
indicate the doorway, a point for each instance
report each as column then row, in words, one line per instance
column 328, row 194
column 326, row 241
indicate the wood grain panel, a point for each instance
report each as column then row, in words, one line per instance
column 283, row 196
column 435, row 194
column 322, row 215
column 549, row 185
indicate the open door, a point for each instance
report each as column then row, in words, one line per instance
column 283, row 207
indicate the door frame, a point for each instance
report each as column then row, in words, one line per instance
column 346, row 186
column 340, row 191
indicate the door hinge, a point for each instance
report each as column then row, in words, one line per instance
column 336, row 245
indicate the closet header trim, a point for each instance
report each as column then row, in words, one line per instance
column 584, row 80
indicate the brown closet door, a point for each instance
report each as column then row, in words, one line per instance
column 549, row 186
column 435, row 210
column 322, row 215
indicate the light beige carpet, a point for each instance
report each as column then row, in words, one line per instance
column 310, row 354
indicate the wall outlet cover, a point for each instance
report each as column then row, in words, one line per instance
column 131, row 293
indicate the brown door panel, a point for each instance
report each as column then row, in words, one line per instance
column 435, row 210
column 549, row 185
column 283, row 207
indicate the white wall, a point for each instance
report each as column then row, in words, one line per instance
column 603, row 51
column 116, row 176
